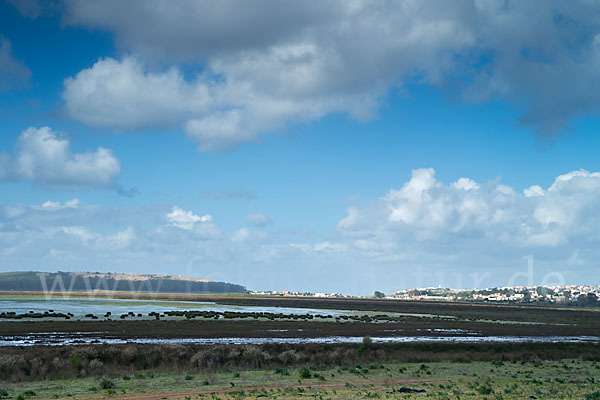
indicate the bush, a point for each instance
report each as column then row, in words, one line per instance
column 75, row 362
column 107, row 384
column 305, row 373
column 593, row 396
column 485, row 390
column 114, row 361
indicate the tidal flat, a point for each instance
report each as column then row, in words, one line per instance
column 238, row 347
column 27, row 319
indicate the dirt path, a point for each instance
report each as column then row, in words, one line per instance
column 194, row 393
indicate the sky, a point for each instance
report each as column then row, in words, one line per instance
column 339, row 146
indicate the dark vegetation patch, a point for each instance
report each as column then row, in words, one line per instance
column 30, row 281
column 19, row 364
column 462, row 310
column 251, row 327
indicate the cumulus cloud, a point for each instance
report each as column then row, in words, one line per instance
column 13, row 72
column 535, row 190
column 426, row 210
column 453, row 230
column 186, row 219
column 263, row 65
column 218, row 113
column 44, row 157
column 258, row 220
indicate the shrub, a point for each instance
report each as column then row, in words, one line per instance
column 95, row 366
column 289, row 357
column 485, row 390
column 75, row 362
column 305, row 373
column 107, row 384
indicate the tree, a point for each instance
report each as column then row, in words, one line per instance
column 378, row 295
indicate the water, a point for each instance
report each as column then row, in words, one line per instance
column 99, row 306
column 60, row 339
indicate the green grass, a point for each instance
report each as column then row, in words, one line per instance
column 566, row 379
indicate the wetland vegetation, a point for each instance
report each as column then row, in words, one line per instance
column 368, row 369
column 440, row 371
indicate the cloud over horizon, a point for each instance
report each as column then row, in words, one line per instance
column 44, row 157
column 277, row 65
column 461, row 229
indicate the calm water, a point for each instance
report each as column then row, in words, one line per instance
column 99, row 306
column 59, row 339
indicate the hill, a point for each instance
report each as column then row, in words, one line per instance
column 86, row 281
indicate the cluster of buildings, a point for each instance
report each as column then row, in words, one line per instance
column 572, row 294
column 587, row 295
column 296, row 294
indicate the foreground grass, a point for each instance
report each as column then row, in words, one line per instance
column 565, row 379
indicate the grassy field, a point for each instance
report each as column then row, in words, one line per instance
column 565, row 379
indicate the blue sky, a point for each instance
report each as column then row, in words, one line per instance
column 312, row 146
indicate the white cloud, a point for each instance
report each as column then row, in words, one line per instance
column 465, row 184
column 535, row 190
column 80, row 232
column 246, row 235
column 13, row 72
column 57, row 205
column 426, row 210
column 45, row 158
column 442, row 231
column 97, row 242
column 328, row 246
column 185, row 219
column 119, row 240
column 279, row 64
column 123, row 95
column 258, row 220
column 218, row 113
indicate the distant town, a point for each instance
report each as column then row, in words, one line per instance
column 582, row 295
